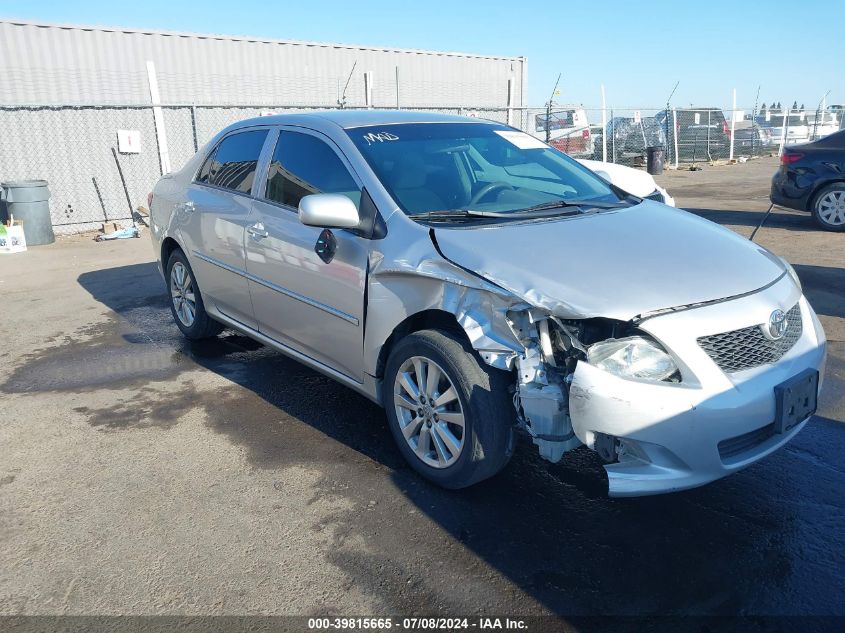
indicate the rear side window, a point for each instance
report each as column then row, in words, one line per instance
column 232, row 165
column 303, row 164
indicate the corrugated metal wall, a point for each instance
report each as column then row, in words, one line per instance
column 53, row 64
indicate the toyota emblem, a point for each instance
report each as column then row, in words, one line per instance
column 776, row 327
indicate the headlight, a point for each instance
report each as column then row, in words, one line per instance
column 792, row 273
column 632, row 357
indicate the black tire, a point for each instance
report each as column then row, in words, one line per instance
column 487, row 408
column 202, row 326
column 818, row 201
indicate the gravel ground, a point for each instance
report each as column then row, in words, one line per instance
column 142, row 474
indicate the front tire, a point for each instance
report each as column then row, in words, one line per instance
column 829, row 207
column 451, row 415
column 186, row 304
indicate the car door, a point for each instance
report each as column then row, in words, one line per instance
column 213, row 221
column 313, row 306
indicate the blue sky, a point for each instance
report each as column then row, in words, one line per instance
column 638, row 49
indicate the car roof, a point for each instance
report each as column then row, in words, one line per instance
column 348, row 119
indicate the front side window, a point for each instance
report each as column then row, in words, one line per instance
column 474, row 166
column 233, row 163
column 303, row 164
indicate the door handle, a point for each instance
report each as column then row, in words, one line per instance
column 257, row 231
column 185, row 206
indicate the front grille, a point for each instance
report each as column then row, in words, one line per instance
column 748, row 348
column 745, row 442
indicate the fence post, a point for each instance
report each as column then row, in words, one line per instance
column 158, row 119
column 785, row 124
column 612, row 142
column 510, row 101
column 368, row 89
column 733, row 127
column 603, row 126
column 194, row 127
column 675, row 133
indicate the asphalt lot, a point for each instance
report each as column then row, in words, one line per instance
column 142, row 474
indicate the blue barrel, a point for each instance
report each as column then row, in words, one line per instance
column 28, row 201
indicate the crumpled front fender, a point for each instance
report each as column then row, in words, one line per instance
column 402, row 283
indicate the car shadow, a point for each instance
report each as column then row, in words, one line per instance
column 824, row 287
column 778, row 218
column 538, row 538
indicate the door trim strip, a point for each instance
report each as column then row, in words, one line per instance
column 280, row 289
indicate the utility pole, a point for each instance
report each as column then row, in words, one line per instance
column 819, row 112
column 754, row 128
column 671, row 94
column 549, row 110
column 341, row 103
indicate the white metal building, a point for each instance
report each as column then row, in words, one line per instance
column 66, row 64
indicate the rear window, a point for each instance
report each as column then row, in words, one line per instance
column 701, row 117
column 776, row 120
column 834, row 141
column 557, row 120
column 232, row 165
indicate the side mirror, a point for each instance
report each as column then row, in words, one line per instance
column 328, row 210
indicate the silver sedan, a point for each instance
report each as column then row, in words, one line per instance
column 478, row 284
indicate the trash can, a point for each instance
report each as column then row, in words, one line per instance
column 654, row 162
column 28, row 201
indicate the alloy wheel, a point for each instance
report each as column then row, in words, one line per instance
column 429, row 412
column 183, row 295
column 831, row 208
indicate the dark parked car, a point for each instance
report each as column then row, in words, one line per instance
column 627, row 139
column 703, row 133
column 751, row 139
column 811, row 178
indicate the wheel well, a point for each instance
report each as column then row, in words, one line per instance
column 167, row 247
column 425, row 320
column 819, row 188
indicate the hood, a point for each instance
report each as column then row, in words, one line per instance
column 616, row 264
column 635, row 181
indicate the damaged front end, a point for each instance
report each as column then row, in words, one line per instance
column 553, row 349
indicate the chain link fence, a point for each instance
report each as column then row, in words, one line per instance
column 72, row 146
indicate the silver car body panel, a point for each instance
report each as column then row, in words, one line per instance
column 673, row 275
column 616, row 264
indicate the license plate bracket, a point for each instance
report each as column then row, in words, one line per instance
column 796, row 400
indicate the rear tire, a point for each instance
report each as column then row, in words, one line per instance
column 829, row 207
column 459, row 428
column 186, row 304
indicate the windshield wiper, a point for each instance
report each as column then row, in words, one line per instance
column 561, row 204
column 470, row 214
column 450, row 214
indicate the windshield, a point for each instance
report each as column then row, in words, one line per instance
column 430, row 167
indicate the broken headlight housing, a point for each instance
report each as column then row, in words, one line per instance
column 632, row 357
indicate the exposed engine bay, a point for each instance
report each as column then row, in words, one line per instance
column 553, row 347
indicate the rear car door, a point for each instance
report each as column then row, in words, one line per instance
column 313, row 306
column 213, row 220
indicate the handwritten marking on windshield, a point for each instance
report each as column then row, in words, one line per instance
column 381, row 137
